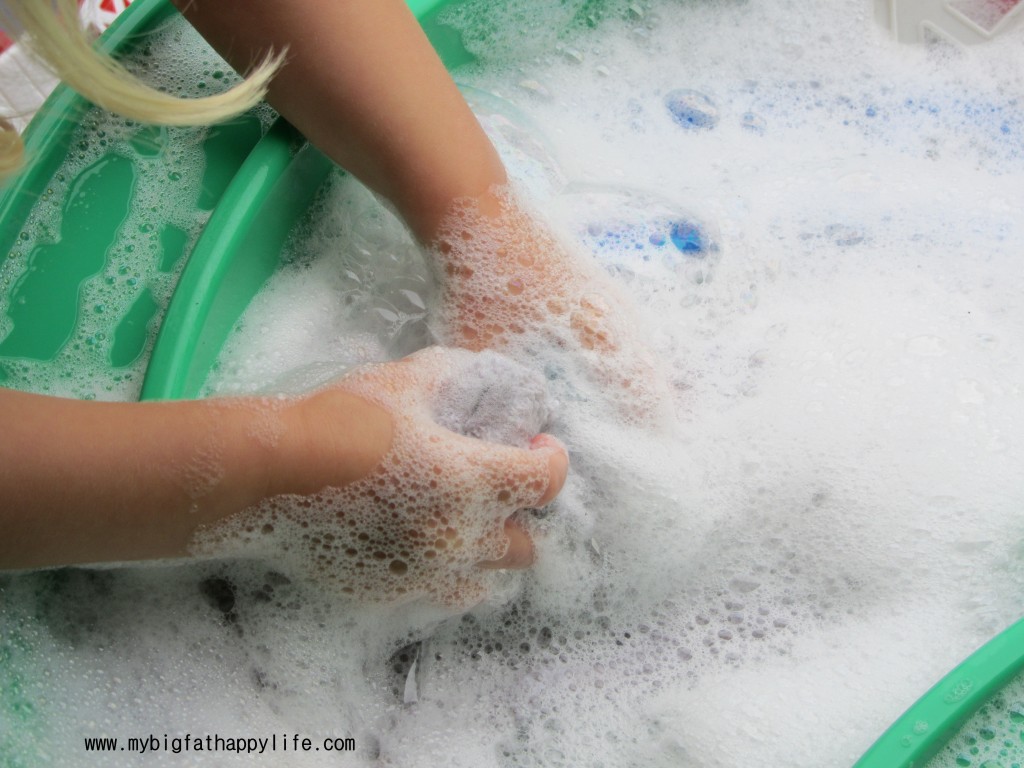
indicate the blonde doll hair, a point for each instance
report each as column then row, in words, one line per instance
column 54, row 33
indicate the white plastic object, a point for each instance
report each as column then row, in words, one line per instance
column 967, row 22
column 25, row 82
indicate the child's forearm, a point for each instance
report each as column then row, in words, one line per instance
column 365, row 86
column 84, row 482
column 87, row 482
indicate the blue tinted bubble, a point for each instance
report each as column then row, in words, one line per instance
column 692, row 109
column 753, row 122
column 687, row 237
column 637, row 236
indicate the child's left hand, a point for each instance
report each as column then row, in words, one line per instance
column 430, row 517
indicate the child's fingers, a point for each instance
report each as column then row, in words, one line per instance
column 558, row 466
column 523, row 477
column 520, row 552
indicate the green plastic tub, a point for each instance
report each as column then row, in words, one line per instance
column 255, row 186
column 258, row 181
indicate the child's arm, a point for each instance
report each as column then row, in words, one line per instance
column 363, row 83
column 89, row 482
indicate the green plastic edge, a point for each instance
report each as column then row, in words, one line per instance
column 54, row 122
column 188, row 342
column 932, row 721
column 229, row 262
column 48, row 140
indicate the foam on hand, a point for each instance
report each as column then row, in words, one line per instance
column 417, row 525
column 507, row 281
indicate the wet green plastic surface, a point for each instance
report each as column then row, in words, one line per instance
column 934, row 719
column 45, row 298
column 43, row 303
column 255, row 188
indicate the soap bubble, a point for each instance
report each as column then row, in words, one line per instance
column 640, row 235
column 753, row 122
column 691, row 109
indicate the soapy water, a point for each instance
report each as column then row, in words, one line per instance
column 994, row 736
column 833, row 526
column 142, row 194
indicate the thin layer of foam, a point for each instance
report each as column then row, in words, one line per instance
column 367, row 305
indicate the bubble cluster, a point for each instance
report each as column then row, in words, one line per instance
column 692, row 110
column 992, row 737
column 433, row 509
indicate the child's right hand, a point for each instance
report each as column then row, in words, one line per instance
column 509, row 283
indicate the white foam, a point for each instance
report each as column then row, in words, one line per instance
column 418, row 524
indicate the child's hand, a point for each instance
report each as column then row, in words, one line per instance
column 508, row 283
column 431, row 514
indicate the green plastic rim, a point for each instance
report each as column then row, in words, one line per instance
column 238, row 250
column 48, row 135
column 240, row 246
column 933, row 720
